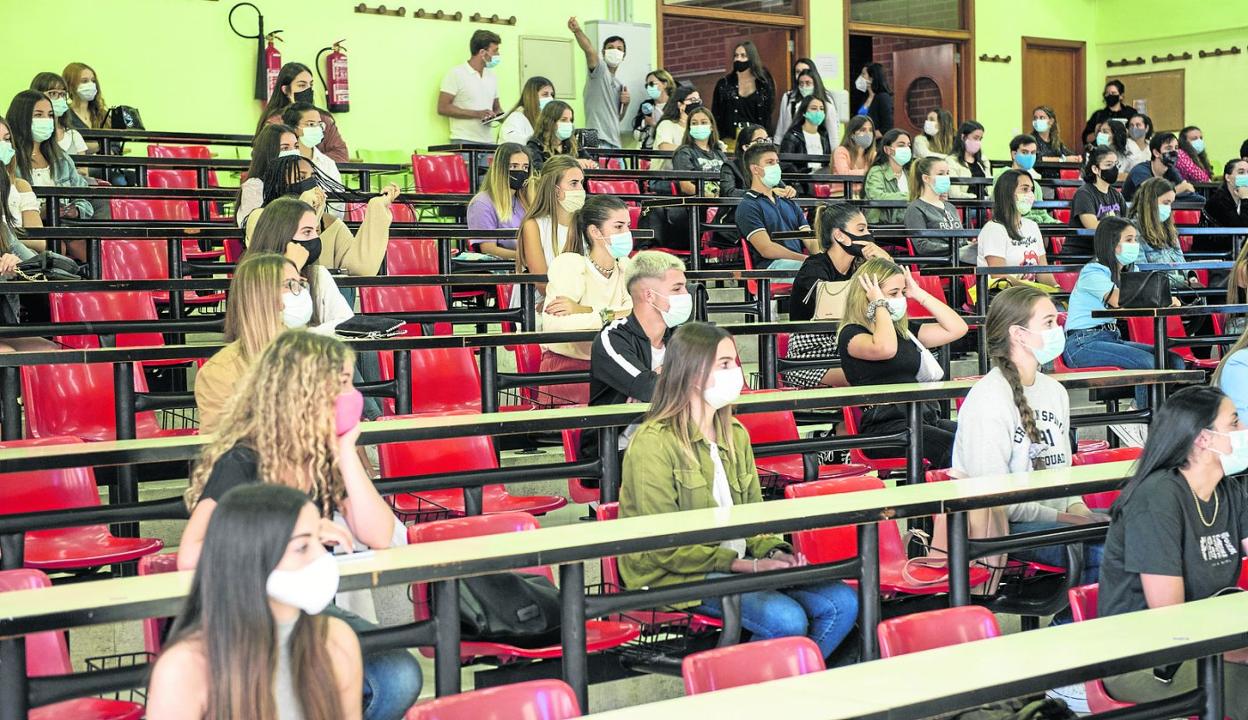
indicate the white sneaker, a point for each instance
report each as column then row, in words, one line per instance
column 1075, row 697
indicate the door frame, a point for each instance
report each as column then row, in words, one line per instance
column 1081, row 80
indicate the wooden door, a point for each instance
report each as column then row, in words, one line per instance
column 1053, row 75
column 925, row 79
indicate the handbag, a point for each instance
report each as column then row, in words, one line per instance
column 50, row 266
column 982, row 523
column 516, row 608
column 371, row 327
column 1144, row 290
column 829, row 298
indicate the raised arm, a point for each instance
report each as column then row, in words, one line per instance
column 587, row 47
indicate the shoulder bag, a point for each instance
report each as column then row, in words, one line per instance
column 829, row 298
column 1144, row 290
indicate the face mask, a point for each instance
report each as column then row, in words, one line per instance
column 572, row 201
column 296, row 309
column 973, row 146
column 1054, row 343
column 347, row 408
column 1137, row 132
column 313, row 247
column 930, row 127
column 87, row 91
column 771, row 175
column 310, row 588
column 654, row 91
column 312, row 136
column 1240, row 180
column 861, row 83
column 1024, row 203
column 59, row 106
column 1040, row 126
column 564, row 130
column 941, row 184
column 1102, row 138
column 517, row 178
column 1111, row 100
column 304, row 96
column 494, row 61
column 42, row 128
column 1025, row 161
column 864, row 140
column 816, row 117
column 901, row 155
column 1163, row 212
column 613, row 56
column 288, row 153
column 303, row 186
column 691, row 105
column 1170, row 157
column 1128, row 254
column 805, row 90
column 1198, row 144
column 7, row 152
column 543, row 101
column 740, row 65
column 855, row 242
column 1110, row 174
column 620, row 244
column 700, row 132
column 727, row 387
column 679, row 308
column 1236, row 461
column 897, row 308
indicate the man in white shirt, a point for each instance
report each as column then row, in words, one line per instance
column 470, row 91
column 606, row 98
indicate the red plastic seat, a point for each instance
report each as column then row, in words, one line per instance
column 882, row 466
column 779, row 426
column 578, row 491
column 532, row 700
column 154, row 629
column 77, row 400
column 405, row 299
column 444, row 380
column 751, row 286
column 1141, row 331
column 82, row 307
column 921, row 631
column 750, row 663
column 599, row 634
column 1083, row 601
column 612, row 187
column 1103, row 500
column 1069, row 174
column 64, row 548
column 146, row 260
column 934, row 288
column 419, row 256
column 440, row 174
column 1065, row 192
column 453, row 455
column 841, row 543
column 47, row 654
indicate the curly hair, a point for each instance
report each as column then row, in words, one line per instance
column 284, row 412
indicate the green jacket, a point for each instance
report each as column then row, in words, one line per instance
column 659, row 479
column 881, row 184
column 1036, row 215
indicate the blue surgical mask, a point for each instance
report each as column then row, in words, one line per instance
column 1025, row 161
column 563, row 130
column 816, row 117
column 620, row 244
column 1129, row 253
column 312, row 136
column 1102, row 138
column 1054, row 340
column 1198, row 144
column 771, row 175
column 902, row 155
column 700, row 132
column 7, row 152
column 1236, row 461
column 1040, row 126
column 897, row 308
column 941, row 184
column 1240, row 180
column 60, row 105
column 42, row 128
column 543, row 101
column 1163, row 212
column 653, row 91
column 494, row 61
column 806, row 90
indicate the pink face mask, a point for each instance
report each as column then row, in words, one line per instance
column 973, row 146
column 347, row 409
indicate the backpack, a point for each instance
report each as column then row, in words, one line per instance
column 124, row 117
column 1042, row 708
column 514, row 608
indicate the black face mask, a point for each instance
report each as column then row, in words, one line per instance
column 1110, row 174
column 1170, row 157
column 1111, row 100
column 690, row 107
column 855, row 246
column 313, row 247
column 303, row 186
column 517, row 178
column 304, row 96
column 740, row 65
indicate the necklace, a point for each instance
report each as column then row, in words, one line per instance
column 1211, row 521
column 607, row 272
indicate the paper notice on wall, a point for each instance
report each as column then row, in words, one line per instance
column 1141, row 106
column 829, row 69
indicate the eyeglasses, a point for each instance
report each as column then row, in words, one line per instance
column 320, row 124
column 295, row 287
column 56, row 94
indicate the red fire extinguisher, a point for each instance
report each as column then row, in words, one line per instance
column 337, row 92
column 272, row 62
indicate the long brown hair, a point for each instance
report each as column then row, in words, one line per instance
column 545, row 201
column 1153, row 231
column 529, row 104
column 1234, row 293
column 1055, row 132
column 943, row 142
column 253, row 313
column 97, row 108
column 275, row 230
column 713, row 141
column 546, row 127
column 919, row 168
column 1013, row 306
column 690, row 355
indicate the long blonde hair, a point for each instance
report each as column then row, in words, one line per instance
column 284, row 413
column 544, row 202
column 497, row 182
column 687, row 364
column 856, row 297
column 253, row 313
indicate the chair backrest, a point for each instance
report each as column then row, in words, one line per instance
column 933, row 287
column 166, row 178
column 532, row 700
column 200, row 152
column 440, row 174
column 841, row 543
column 155, row 628
column 935, row 629
column 432, row 457
column 78, row 400
column 152, row 209
column 1141, row 330
column 1083, row 601
column 47, row 653
column 1186, row 217
column 750, row 663
column 444, row 380
column 134, row 259
column 41, row 490
column 578, row 491
column 613, row 187
column 412, row 256
column 404, row 299
column 768, row 427
column 1097, row 457
column 104, row 307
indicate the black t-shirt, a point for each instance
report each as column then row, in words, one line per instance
column 238, row 466
column 814, row 269
column 1089, row 200
column 1161, row 532
column 900, row 368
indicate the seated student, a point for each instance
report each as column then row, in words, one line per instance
column 808, row 137
column 1048, row 134
column 1160, row 238
column 553, row 135
column 18, row 196
column 625, row 358
column 266, row 296
column 40, row 161
column 842, row 231
column 967, row 159
column 886, row 180
column 587, row 288
column 1096, row 198
column 1226, row 206
column 937, row 136
column 1237, row 293
column 251, row 640
column 1193, row 163
column 930, row 210
column 1023, row 151
column 1010, row 239
column 500, row 201
column 734, row 176
column 271, row 142
column 88, row 110
column 54, row 89
column 546, row 228
column 13, row 252
column 700, row 150
column 686, row 450
column 880, row 346
column 1178, row 500
column 281, row 429
column 1112, row 134
column 762, row 212
column 1139, row 132
column 660, row 87
column 534, row 97
column 310, row 128
column 1232, row 373
column 294, row 84
column 856, row 153
column 1165, row 150
column 670, row 131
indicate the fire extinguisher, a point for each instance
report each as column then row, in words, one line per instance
column 272, row 63
column 337, row 92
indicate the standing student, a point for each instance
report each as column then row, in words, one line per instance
column 878, row 104
column 879, row 345
column 762, row 212
column 1116, row 110
column 660, row 86
column 520, row 121
column 886, row 180
column 1159, row 237
column 56, row 91
column 252, row 640
column 746, row 94
column 807, row 82
column 501, row 200
column 294, row 84
column 937, row 136
column 1193, row 163
column 86, row 103
column 689, row 454
column 1165, row 150
column 670, row 132
column 1179, row 500
column 547, row 226
column 1011, row 239
column 18, row 196
column 606, row 96
column 1096, row 199
column 930, row 209
column 967, row 159
column 1139, row 132
column 808, row 137
column 856, row 153
column 700, row 150
column 553, row 135
column 272, row 142
column 1023, row 153
column 469, row 92
column 40, row 161
column 1048, row 135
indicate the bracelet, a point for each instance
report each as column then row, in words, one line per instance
column 755, row 565
column 772, row 553
column 875, row 305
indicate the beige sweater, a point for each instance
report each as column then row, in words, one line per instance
column 573, row 276
column 360, row 254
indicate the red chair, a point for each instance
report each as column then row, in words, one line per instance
column 578, row 491
column 934, row 288
column 105, row 307
column 921, row 631
column 47, row 654
column 599, row 634
column 72, row 548
column 841, row 543
column 164, row 178
column 884, row 467
column 405, row 299
column 1065, row 192
column 152, row 209
column 440, row 174
column 1062, row 215
column 77, row 400
column 453, row 455
column 444, row 380
column 750, row 663
column 419, row 256
column 155, row 629
column 532, row 700
column 1069, row 174
column 1083, row 601
column 146, row 260
column 612, row 187
column 779, row 426
column 1103, row 500
column 751, row 286
column 1141, row 331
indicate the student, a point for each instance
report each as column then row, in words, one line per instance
column 808, row 137
column 40, row 161
column 55, row 90
column 1237, row 292
column 282, row 429
column 937, row 136
column 310, row 127
column 500, row 202
column 1116, row 109
column 587, row 288
column 1096, row 199
column 660, row 86
column 251, row 640
column 520, row 121
column 1232, row 373
column 1023, row 153
column 86, row 102
column 267, row 295
column 547, row 226
column 747, row 93
column 878, row 104
column 670, row 132
column 967, row 160
column 856, row 153
column 1178, row 500
column 553, row 136
column 13, row 252
column 294, row 84
column 1165, row 150
column 606, row 96
column 806, row 82
column 1113, row 135
column 19, row 196
column 1226, row 206
column 880, row 346
column 689, row 454
column 762, row 212
column 700, row 150
column 930, row 210
column 272, row 142
column 842, row 231
column 1154, row 219
column 1010, row 239
column 886, row 180
column 734, row 176
column 1048, row 135
column 469, row 92
column 1139, row 132
column 1193, row 163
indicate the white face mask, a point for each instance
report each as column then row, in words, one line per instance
column 862, row 84
column 310, row 588
column 897, row 308
column 296, row 309
column 930, row 127
column 613, row 56
column 680, row 307
column 87, row 91
column 727, row 387
column 572, row 201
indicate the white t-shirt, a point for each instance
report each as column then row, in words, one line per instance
column 814, row 146
column 42, row 177
column 669, row 132
column 472, row 91
column 722, row 494
column 516, row 128
column 72, row 142
column 993, row 240
column 19, row 202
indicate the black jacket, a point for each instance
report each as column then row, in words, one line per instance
column 619, row 370
column 1221, row 209
column 794, row 143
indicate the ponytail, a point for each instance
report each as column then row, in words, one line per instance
column 596, row 211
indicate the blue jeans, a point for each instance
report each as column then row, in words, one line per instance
column 1103, row 346
column 824, row 612
column 392, row 678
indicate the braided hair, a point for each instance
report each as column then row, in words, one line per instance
column 1013, row 306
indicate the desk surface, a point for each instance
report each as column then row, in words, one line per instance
column 1185, row 311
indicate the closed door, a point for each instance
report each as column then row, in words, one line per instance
column 1053, row 75
column 925, row 79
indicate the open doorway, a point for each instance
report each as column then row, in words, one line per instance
column 924, row 74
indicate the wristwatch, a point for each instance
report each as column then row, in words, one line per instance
column 876, row 304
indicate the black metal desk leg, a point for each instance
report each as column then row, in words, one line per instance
column 608, row 451
column 959, row 563
column 1209, row 671
column 403, row 382
column 13, row 685
column 10, row 409
column 446, row 651
column 127, row 486
column 869, row 588
column 572, row 617
column 12, row 551
column 914, row 447
column 489, row 379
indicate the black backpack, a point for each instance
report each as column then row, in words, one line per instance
column 124, row 117
column 514, row 608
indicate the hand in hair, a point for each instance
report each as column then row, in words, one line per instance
column 389, row 192
column 872, row 285
column 316, row 198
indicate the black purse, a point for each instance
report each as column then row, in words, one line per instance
column 51, row 266
column 372, row 327
column 515, row 608
column 1144, row 290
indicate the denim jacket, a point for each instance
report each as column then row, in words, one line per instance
column 65, row 174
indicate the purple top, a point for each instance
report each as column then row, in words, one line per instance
column 482, row 216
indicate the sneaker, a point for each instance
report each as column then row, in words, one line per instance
column 1075, row 697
